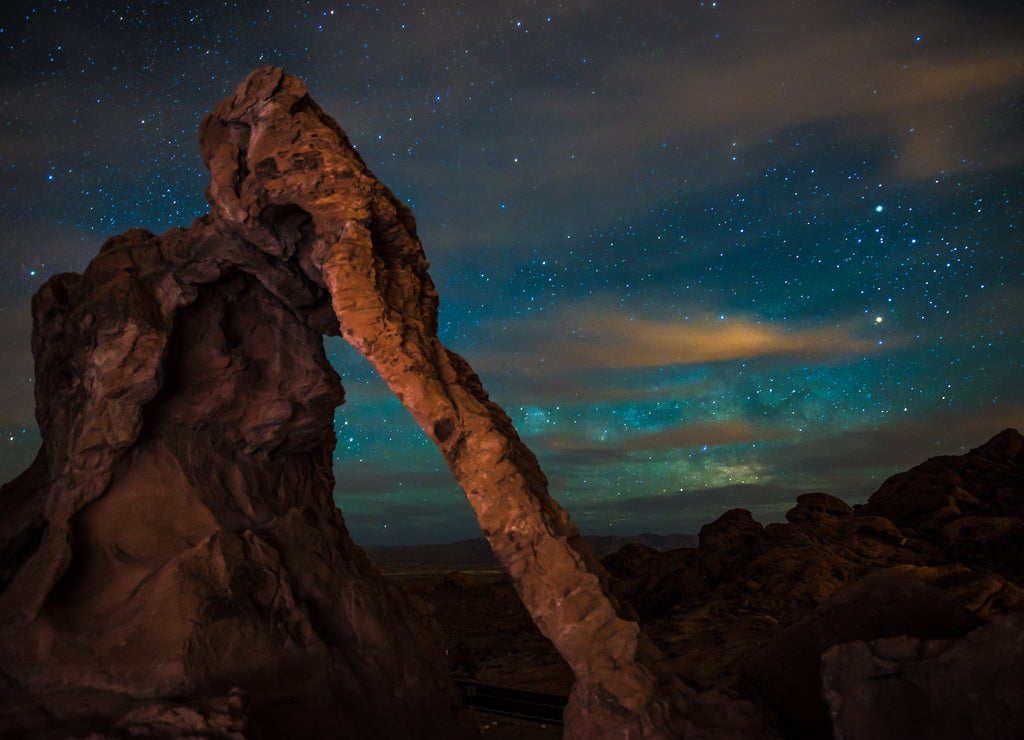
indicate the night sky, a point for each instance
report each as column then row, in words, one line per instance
column 706, row 254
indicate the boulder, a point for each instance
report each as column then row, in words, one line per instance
column 728, row 544
column 971, row 688
column 178, row 537
column 785, row 671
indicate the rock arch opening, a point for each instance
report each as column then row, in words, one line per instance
column 184, row 377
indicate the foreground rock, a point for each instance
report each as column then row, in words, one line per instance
column 966, row 689
column 284, row 176
column 753, row 608
column 173, row 562
column 175, row 542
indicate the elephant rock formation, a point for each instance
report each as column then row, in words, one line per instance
column 174, row 550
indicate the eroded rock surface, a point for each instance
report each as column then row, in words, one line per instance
column 932, row 555
column 271, row 151
column 176, row 539
column 176, row 536
column 965, row 689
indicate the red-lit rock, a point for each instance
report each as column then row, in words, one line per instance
column 178, row 533
column 176, row 538
column 271, row 151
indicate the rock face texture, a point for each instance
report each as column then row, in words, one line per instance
column 273, row 157
column 933, row 560
column 971, row 506
column 176, row 540
column 173, row 565
column 900, row 687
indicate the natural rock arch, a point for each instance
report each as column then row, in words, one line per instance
column 270, row 147
column 180, row 506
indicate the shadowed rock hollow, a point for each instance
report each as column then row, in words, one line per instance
column 173, row 557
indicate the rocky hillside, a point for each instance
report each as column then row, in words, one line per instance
column 908, row 598
column 900, row 618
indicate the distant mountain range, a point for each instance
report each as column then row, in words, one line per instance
column 477, row 553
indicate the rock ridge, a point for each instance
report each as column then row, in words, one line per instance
column 934, row 557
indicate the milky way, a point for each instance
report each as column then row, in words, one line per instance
column 706, row 254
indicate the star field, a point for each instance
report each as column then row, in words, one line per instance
column 705, row 254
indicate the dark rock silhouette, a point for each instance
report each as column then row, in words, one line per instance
column 971, row 506
column 900, row 687
column 935, row 553
column 175, row 540
column 785, row 671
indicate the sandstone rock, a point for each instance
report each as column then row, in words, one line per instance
column 900, row 687
column 271, row 151
column 785, row 671
column 755, row 582
column 655, row 582
column 773, row 598
column 971, row 506
column 766, row 579
column 988, row 481
column 818, row 507
column 179, row 532
column 220, row 718
column 176, row 536
column 728, row 544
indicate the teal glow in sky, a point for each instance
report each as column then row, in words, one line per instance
column 706, row 255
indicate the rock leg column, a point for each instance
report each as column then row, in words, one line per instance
column 271, row 147
column 555, row 572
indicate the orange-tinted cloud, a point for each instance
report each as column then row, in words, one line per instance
column 710, row 434
column 591, row 339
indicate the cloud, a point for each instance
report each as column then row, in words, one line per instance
column 688, row 97
column 684, row 436
column 786, row 68
column 586, row 339
column 624, row 341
